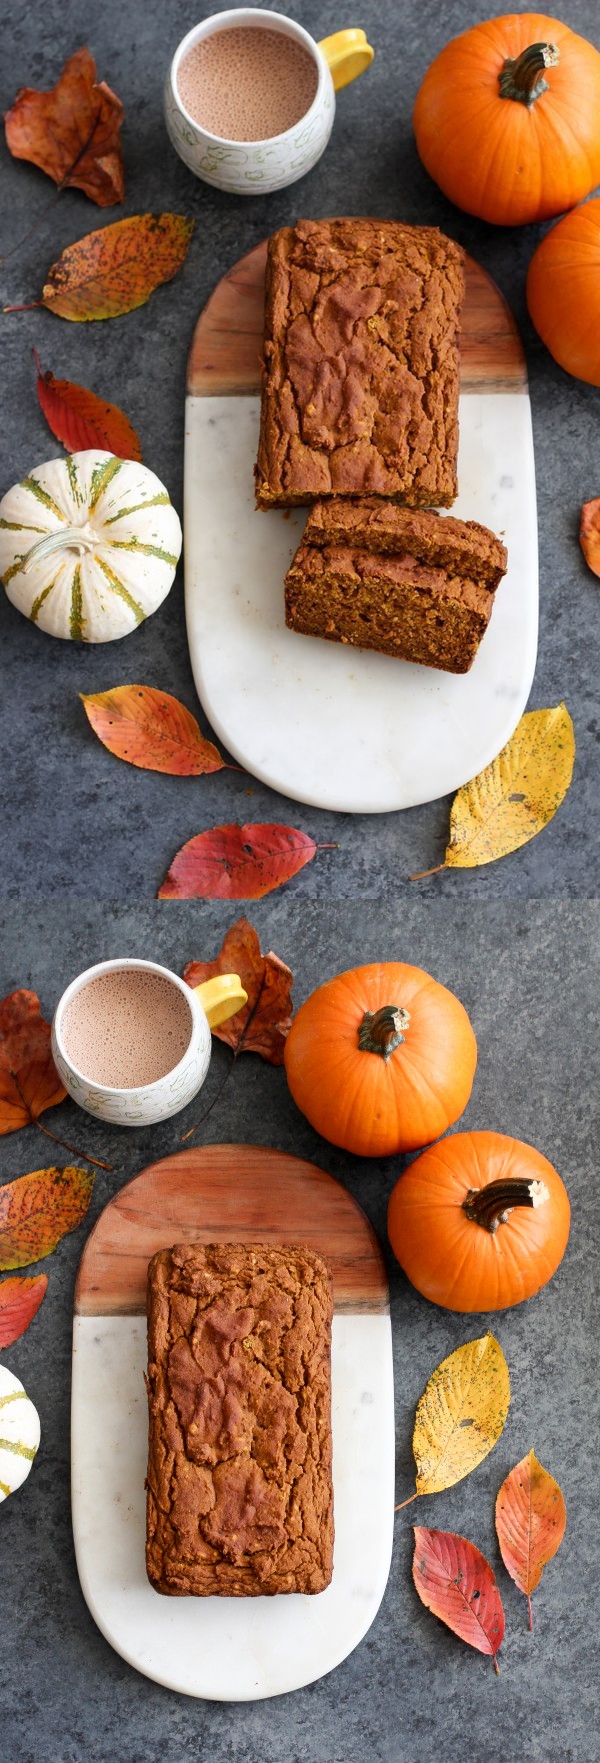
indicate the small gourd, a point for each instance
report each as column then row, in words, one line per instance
column 89, row 545
column 19, row 1433
column 479, row 1222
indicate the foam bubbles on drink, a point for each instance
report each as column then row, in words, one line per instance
column 247, row 84
column 126, row 1028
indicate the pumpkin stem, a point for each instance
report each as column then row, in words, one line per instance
column 490, row 1206
column 70, row 538
column 381, row 1030
column 523, row 78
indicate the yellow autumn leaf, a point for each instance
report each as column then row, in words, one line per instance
column 514, row 797
column 460, row 1414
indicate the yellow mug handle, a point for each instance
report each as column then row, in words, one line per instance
column 347, row 54
column 221, row 997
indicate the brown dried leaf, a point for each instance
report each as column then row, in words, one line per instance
column 72, row 131
column 29, row 1081
column 265, row 1021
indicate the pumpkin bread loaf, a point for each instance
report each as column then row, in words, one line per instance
column 419, row 586
column 240, row 1499
column 361, row 363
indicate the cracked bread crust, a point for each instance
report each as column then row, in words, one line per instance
column 463, row 547
column 240, row 1497
column 361, row 363
column 389, row 603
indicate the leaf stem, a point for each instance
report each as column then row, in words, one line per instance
column 76, row 1152
column 30, row 306
column 203, row 1117
column 407, row 1502
column 496, row 1665
column 530, row 1623
column 422, row 873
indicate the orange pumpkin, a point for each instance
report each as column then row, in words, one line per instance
column 479, row 1222
column 507, row 119
column 381, row 1059
column 563, row 292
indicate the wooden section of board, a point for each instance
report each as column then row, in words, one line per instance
column 228, row 1194
column 225, row 354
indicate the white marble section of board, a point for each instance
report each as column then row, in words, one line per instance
column 325, row 724
column 227, row 1649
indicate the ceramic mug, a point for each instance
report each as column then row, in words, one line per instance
column 209, row 1004
column 255, row 167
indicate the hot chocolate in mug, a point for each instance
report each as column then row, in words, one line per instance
column 254, row 167
column 95, row 1028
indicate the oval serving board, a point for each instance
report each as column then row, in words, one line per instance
column 336, row 727
column 228, row 1649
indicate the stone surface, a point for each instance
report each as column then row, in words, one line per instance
column 80, row 821
column 411, row 1692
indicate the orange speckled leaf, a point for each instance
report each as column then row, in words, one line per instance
column 530, row 1522
column 151, row 729
column 237, row 863
column 265, row 1021
column 112, row 271
column 29, row 1081
column 19, row 1300
column 79, row 419
column 72, row 131
column 589, row 534
column 454, row 1581
column 37, row 1210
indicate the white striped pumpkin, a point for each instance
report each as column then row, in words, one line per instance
column 19, row 1433
column 89, row 545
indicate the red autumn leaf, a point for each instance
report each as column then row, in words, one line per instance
column 456, row 1583
column 237, row 863
column 19, row 1300
column 265, row 1021
column 72, row 131
column 151, row 729
column 79, row 419
column 37, row 1210
column 589, row 534
column 29, row 1081
column 530, row 1522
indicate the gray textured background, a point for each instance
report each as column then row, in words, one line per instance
column 80, row 821
column 411, row 1692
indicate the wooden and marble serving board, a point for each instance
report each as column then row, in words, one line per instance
column 335, row 727
column 228, row 1649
